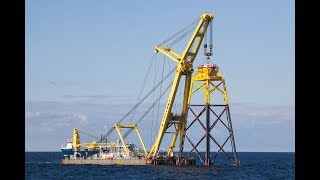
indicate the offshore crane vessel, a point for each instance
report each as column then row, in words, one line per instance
column 125, row 153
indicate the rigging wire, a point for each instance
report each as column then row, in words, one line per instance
column 152, row 119
column 178, row 32
column 180, row 37
column 144, row 83
column 89, row 135
column 154, row 93
column 211, row 33
column 151, row 107
column 179, row 96
column 157, row 101
column 211, row 45
column 158, row 110
column 136, row 105
column 183, row 33
column 205, row 46
column 205, row 39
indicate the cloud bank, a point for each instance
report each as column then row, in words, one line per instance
column 50, row 124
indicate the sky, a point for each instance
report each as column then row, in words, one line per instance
column 85, row 62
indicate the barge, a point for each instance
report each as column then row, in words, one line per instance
column 141, row 161
column 120, row 152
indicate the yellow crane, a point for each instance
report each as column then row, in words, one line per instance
column 76, row 140
column 206, row 80
column 184, row 68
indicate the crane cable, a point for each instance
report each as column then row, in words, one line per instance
column 153, row 98
column 205, row 45
column 89, row 135
column 151, row 107
column 144, row 84
column 211, row 35
column 154, row 103
column 180, row 37
column 153, row 124
column 136, row 105
column 162, row 43
column 170, row 45
column 177, row 33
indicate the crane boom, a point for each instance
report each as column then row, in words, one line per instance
column 184, row 67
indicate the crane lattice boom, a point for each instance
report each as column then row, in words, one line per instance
column 184, row 68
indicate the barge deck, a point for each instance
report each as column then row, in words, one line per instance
column 142, row 161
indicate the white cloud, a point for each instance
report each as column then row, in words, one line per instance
column 54, row 120
column 83, row 119
column 29, row 115
column 252, row 124
column 256, row 115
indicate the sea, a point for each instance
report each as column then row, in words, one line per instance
column 253, row 165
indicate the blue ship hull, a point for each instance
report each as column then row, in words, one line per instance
column 83, row 152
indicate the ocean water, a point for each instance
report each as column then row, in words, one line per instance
column 254, row 165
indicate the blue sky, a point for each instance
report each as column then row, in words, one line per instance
column 91, row 56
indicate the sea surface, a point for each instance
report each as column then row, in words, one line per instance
column 254, row 165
